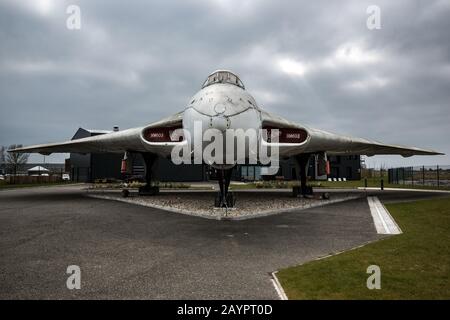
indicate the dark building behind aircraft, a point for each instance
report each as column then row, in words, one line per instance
column 96, row 166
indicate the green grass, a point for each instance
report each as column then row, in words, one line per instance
column 5, row 186
column 351, row 184
column 136, row 185
column 414, row 265
column 371, row 182
column 248, row 185
column 276, row 184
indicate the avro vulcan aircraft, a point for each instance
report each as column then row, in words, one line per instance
column 223, row 103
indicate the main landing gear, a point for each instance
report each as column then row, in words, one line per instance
column 224, row 199
column 148, row 189
column 303, row 190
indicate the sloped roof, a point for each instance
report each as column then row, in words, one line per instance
column 84, row 133
column 38, row 168
column 97, row 131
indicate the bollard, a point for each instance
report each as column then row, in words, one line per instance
column 382, row 184
column 438, row 176
column 365, row 183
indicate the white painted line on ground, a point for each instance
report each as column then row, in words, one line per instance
column 384, row 223
column 278, row 287
column 378, row 218
column 405, row 189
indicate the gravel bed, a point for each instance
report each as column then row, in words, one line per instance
column 249, row 204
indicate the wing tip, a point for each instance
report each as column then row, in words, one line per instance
column 27, row 150
column 423, row 153
column 435, row 153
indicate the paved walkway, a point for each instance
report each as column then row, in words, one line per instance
column 129, row 251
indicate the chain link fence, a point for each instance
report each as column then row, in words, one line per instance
column 435, row 176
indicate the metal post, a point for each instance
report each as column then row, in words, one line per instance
column 423, row 175
column 382, row 184
column 438, row 176
column 412, row 176
column 365, row 183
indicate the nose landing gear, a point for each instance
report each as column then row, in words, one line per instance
column 224, row 202
column 224, row 199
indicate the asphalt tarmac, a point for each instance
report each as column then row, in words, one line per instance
column 126, row 251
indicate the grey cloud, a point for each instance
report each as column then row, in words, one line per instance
column 132, row 64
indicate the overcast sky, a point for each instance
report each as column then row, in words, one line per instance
column 314, row 62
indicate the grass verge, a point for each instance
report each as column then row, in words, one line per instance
column 6, row 186
column 350, row 184
column 414, row 265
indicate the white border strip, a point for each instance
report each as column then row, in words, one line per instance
column 384, row 223
column 405, row 189
column 278, row 287
column 220, row 212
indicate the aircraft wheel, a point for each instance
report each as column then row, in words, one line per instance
column 231, row 200
column 217, row 201
column 325, row 196
column 295, row 191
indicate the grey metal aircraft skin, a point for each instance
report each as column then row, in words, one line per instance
column 223, row 103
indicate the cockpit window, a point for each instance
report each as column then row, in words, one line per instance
column 223, row 77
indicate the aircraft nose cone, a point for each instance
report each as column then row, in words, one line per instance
column 220, row 108
column 220, row 123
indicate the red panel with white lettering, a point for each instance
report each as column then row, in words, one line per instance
column 287, row 135
column 161, row 134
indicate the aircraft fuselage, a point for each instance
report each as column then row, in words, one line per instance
column 223, row 107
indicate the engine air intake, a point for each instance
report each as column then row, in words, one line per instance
column 286, row 135
column 161, row 134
